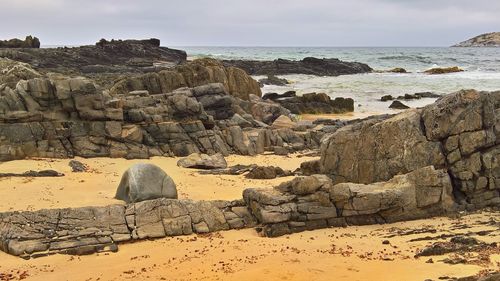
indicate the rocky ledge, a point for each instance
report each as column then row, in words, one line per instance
column 310, row 66
column 200, row 106
column 115, row 56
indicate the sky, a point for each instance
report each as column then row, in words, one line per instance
column 252, row 22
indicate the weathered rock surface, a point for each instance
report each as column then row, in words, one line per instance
column 105, row 56
column 315, row 202
column 34, row 174
column 443, row 70
column 273, row 80
column 192, row 74
column 491, row 39
column 267, row 172
column 460, row 132
column 96, row 229
column 312, row 66
column 312, row 103
column 29, row 42
column 143, row 182
column 61, row 117
column 398, row 105
column 203, row 161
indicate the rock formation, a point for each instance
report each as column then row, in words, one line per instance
column 313, row 202
column 460, row 133
column 312, row 103
column 311, row 66
column 29, row 42
column 484, row 40
column 115, row 56
column 203, row 161
column 443, row 70
column 97, row 229
column 61, row 117
column 143, row 182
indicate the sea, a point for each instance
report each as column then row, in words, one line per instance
column 481, row 65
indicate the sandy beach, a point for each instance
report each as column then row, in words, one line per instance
column 97, row 187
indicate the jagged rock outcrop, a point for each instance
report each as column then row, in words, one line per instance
column 491, row 39
column 312, row 103
column 12, row 72
column 460, row 132
column 192, row 74
column 443, row 70
column 104, row 57
column 312, row 202
column 143, row 182
column 311, row 66
column 96, row 229
column 29, row 42
column 61, row 117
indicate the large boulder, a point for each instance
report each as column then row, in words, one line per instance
column 28, row 42
column 375, row 151
column 316, row 202
column 460, row 132
column 145, row 182
column 203, row 161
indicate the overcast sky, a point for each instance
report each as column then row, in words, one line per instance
column 252, row 22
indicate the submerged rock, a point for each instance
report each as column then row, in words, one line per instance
column 145, row 182
column 203, row 161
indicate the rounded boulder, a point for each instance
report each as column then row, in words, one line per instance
column 145, row 182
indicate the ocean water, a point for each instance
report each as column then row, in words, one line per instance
column 481, row 65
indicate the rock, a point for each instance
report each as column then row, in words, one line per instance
column 192, row 74
column 398, row 105
column 309, row 168
column 33, row 174
column 29, row 42
column 145, row 182
column 273, row 80
column 375, row 150
column 311, row 66
column 443, row 70
column 77, row 166
column 386, row 98
column 283, row 122
column 268, row 172
column 115, row 56
column 398, row 70
column 314, row 103
column 203, row 161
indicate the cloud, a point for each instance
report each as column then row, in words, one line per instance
column 253, row 23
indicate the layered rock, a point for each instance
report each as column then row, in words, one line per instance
column 460, row 132
column 316, row 202
column 28, row 42
column 312, row 103
column 96, row 229
column 62, row 117
column 104, row 56
column 311, row 66
column 192, row 74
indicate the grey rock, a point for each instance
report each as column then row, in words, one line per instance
column 144, row 182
